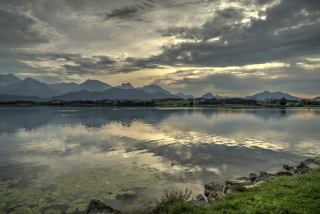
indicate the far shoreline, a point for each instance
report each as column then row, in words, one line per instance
column 28, row 104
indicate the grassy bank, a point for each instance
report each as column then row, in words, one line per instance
column 300, row 194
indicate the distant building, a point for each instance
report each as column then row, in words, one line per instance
column 56, row 101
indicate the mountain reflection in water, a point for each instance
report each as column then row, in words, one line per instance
column 193, row 145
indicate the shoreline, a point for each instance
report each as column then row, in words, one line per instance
column 160, row 106
column 216, row 193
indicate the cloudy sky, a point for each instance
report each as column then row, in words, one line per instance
column 225, row 47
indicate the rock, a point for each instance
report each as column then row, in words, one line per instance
column 244, row 179
column 286, row 173
column 252, row 177
column 198, row 203
column 238, row 182
column 264, row 176
column 212, row 187
column 214, row 197
column 228, row 189
column 199, row 197
column 307, row 165
column 97, row 207
column 287, row 167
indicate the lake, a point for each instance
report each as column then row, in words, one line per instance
column 193, row 146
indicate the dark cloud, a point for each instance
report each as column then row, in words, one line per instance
column 223, row 23
column 68, row 64
column 98, row 65
column 263, row 2
column 291, row 29
column 22, row 29
column 224, row 81
column 131, row 12
column 77, row 64
column 293, row 79
column 194, row 34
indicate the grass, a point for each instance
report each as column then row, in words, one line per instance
column 171, row 200
column 300, row 194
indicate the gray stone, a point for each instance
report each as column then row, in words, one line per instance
column 252, row 177
column 287, row 167
column 214, row 197
column 198, row 203
column 238, row 182
column 264, row 176
column 307, row 165
column 286, row 173
column 199, row 197
column 227, row 189
column 97, row 207
column 212, row 187
column 244, row 179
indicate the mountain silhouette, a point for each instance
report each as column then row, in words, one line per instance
column 126, row 86
column 272, row 95
column 113, row 94
column 183, row 96
column 63, row 87
column 28, row 87
column 210, row 96
column 8, row 79
column 153, row 88
column 92, row 85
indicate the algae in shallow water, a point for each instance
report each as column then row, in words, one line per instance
column 76, row 188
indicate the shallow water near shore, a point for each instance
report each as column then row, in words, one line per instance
column 193, row 146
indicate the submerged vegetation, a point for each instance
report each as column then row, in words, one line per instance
column 300, row 194
column 74, row 189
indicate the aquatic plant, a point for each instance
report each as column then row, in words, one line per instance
column 76, row 188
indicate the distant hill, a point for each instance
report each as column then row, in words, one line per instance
column 317, row 98
column 28, row 87
column 153, row 88
column 210, row 96
column 113, row 93
column 125, row 86
column 63, row 87
column 92, row 85
column 185, row 97
column 272, row 95
column 8, row 79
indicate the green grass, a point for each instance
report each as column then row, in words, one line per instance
column 171, row 200
column 300, row 194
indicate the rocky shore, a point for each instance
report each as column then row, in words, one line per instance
column 214, row 191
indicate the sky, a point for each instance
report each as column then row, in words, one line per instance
column 226, row 47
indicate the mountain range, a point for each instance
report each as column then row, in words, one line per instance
column 33, row 90
column 272, row 95
column 27, row 87
column 112, row 94
column 210, row 96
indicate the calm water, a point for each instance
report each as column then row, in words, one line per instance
column 195, row 145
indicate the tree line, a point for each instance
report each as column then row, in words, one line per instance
column 215, row 101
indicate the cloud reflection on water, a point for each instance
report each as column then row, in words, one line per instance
column 194, row 146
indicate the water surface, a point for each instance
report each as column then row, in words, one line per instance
column 193, row 145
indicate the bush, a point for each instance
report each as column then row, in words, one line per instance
column 172, row 198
